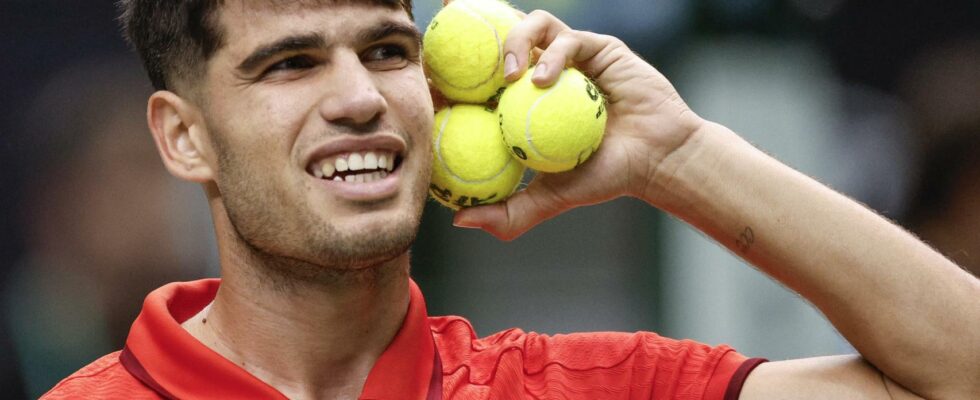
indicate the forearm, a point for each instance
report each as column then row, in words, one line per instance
column 907, row 309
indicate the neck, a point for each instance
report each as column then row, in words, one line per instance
column 308, row 338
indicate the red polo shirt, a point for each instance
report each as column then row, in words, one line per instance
column 161, row 360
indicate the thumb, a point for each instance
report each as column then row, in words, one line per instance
column 510, row 219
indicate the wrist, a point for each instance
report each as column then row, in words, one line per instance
column 674, row 181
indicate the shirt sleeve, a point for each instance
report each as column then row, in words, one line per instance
column 737, row 380
column 640, row 365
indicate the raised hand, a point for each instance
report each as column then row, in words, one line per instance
column 647, row 121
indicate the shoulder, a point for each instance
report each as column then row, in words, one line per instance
column 590, row 365
column 104, row 378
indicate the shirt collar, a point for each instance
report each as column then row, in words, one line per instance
column 161, row 354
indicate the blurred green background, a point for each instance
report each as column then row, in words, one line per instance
column 880, row 101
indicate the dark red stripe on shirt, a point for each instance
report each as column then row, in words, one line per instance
column 741, row 374
column 129, row 361
column 136, row 369
column 435, row 385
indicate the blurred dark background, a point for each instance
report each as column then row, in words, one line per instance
column 879, row 100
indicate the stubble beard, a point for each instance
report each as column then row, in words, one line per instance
column 288, row 243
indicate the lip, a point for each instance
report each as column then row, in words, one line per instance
column 350, row 144
column 361, row 192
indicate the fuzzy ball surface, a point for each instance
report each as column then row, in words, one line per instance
column 553, row 129
column 463, row 49
column 471, row 165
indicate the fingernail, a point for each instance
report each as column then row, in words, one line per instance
column 462, row 223
column 540, row 71
column 463, row 226
column 510, row 64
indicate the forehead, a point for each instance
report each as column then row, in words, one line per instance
column 245, row 21
column 248, row 24
column 294, row 5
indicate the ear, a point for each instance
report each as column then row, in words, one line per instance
column 180, row 134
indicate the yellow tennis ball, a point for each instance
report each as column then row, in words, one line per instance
column 463, row 49
column 553, row 129
column 471, row 166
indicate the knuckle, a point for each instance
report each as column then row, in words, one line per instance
column 542, row 14
column 618, row 52
column 516, row 38
column 611, row 40
column 568, row 35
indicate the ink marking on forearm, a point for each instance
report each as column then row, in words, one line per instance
column 745, row 240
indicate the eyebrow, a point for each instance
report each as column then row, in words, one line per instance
column 286, row 44
column 389, row 28
column 316, row 40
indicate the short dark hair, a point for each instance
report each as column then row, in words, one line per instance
column 175, row 38
column 943, row 164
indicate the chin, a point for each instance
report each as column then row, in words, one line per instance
column 333, row 235
column 369, row 239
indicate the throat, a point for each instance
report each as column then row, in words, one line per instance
column 307, row 339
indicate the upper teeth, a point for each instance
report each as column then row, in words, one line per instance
column 355, row 161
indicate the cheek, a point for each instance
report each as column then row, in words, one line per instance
column 260, row 126
column 279, row 115
column 413, row 103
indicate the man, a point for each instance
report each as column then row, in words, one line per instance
column 316, row 301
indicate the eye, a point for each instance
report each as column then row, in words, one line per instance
column 291, row 64
column 386, row 54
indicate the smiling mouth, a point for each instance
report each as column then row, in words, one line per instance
column 356, row 167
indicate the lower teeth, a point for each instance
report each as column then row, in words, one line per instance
column 361, row 178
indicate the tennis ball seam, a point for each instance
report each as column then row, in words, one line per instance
column 496, row 35
column 527, row 123
column 443, row 164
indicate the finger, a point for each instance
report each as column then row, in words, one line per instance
column 592, row 53
column 552, row 60
column 520, row 14
column 510, row 219
column 538, row 29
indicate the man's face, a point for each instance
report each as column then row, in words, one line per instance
column 320, row 118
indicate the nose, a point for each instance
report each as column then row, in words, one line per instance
column 354, row 100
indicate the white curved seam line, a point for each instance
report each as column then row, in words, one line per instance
column 442, row 130
column 442, row 162
column 500, row 50
column 499, row 173
column 527, row 122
